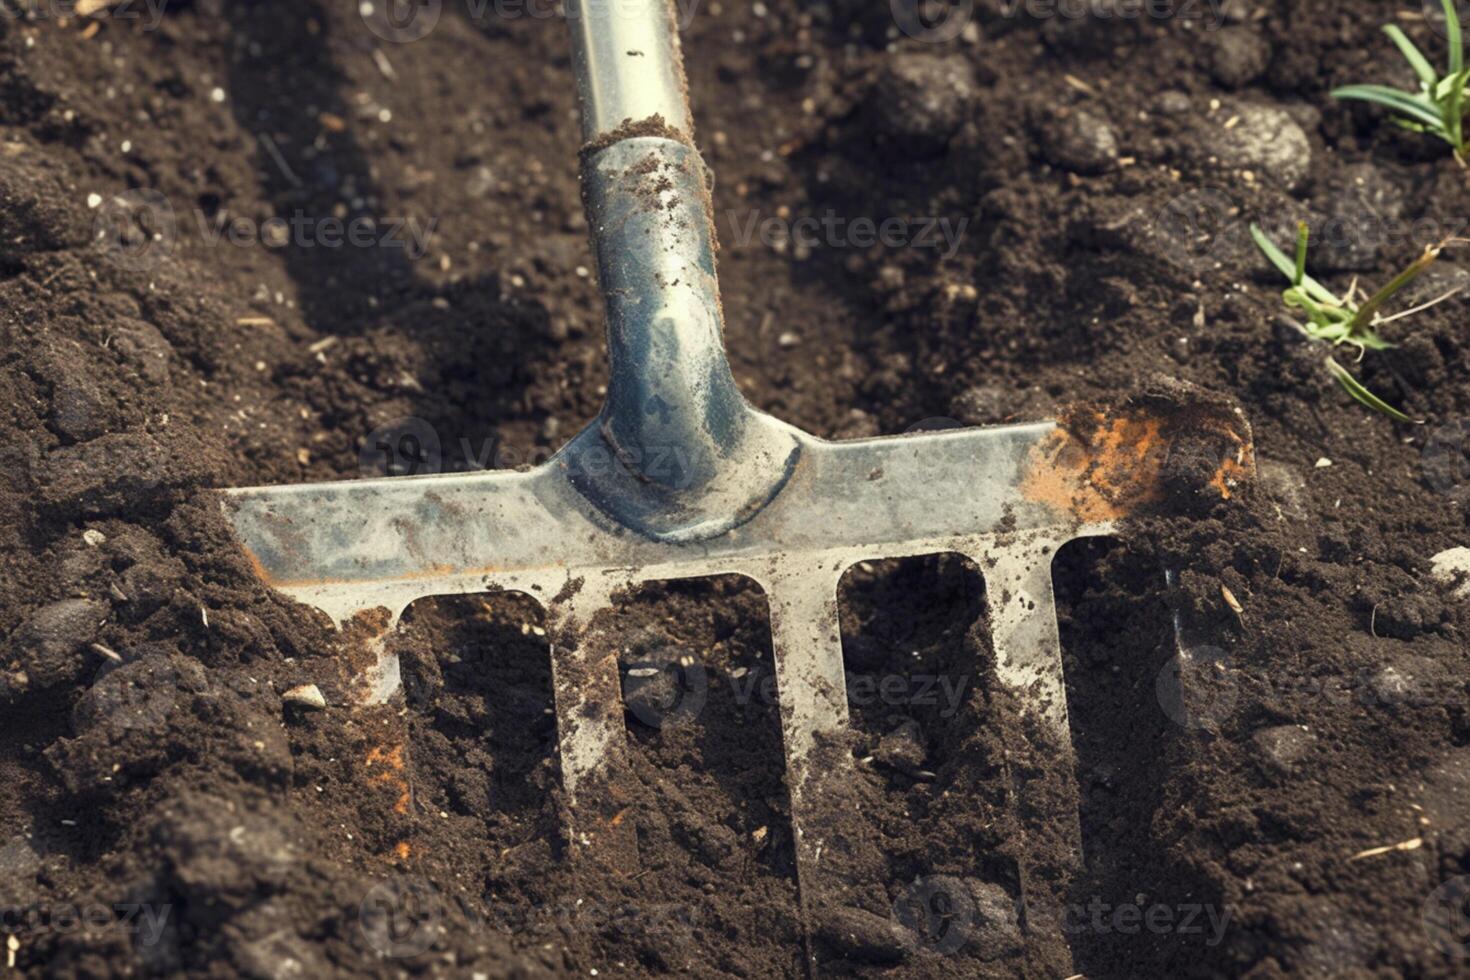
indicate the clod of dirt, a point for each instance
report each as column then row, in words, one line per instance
column 270, row 947
column 123, row 472
column 1447, row 799
column 860, row 935
column 920, row 100
column 80, row 408
column 1238, row 56
column 19, row 864
column 1078, row 141
column 143, row 348
column 1282, row 747
column 902, row 749
column 1407, row 616
column 1286, row 487
column 1360, row 203
column 223, row 856
column 1411, row 681
column 38, row 212
column 48, row 648
column 997, row 926
column 992, row 405
column 1104, row 25
column 1263, row 139
column 650, row 692
column 1434, row 282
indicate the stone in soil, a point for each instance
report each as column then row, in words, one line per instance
column 1283, row 747
column 1263, row 139
column 860, row 935
column 902, row 749
column 1079, row 141
column 1452, row 567
column 1238, row 56
column 919, row 100
column 997, row 928
column 49, row 647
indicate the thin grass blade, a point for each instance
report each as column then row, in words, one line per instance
column 1355, row 388
column 1452, row 31
column 1415, row 57
column 1416, row 107
column 1364, row 314
column 1279, row 259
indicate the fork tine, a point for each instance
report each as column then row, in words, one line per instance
column 589, row 721
column 1028, row 657
column 834, row 867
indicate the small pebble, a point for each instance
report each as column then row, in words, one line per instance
column 306, row 695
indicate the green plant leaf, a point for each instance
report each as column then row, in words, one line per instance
column 1299, row 270
column 1355, row 388
column 1417, row 107
column 1454, row 109
column 1415, row 57
column 1452, row 31
column 1309, row 286
column 1363, row 315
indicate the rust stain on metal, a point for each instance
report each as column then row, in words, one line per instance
column 1100, row 473
column 418, row 574
column 1103, row 465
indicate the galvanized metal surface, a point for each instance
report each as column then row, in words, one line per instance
column 625, row 54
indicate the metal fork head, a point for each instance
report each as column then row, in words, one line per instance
column 679, row 477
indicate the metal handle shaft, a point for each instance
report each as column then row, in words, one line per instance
column 626, row 57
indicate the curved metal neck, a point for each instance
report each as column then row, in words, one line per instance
column 688, row 456
column 676, row 452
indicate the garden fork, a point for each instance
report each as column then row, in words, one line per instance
column 679, row 477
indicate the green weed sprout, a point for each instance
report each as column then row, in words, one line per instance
column 1345, row 320
column 1439, row 105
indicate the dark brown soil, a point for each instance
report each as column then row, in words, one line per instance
column 166, row 812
